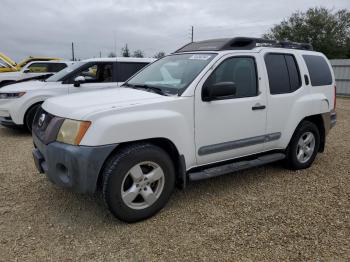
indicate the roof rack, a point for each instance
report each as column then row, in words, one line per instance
column 240, row 43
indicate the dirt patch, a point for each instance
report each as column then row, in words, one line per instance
column 267, row 213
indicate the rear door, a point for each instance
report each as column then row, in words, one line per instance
column 125, row 70
column 285, row 90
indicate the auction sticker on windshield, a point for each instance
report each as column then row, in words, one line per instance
column 200, row 57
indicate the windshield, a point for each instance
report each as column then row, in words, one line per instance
column 58, row 76
column 172, row 74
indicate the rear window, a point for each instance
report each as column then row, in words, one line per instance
column 319, row 71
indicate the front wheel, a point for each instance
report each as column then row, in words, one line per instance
column 304, row 146
column 29, row 116
column 138, row 182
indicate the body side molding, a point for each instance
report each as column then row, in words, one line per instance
column 225, row 146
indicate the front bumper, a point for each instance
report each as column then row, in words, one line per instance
column 7, row 121
column 68, row 166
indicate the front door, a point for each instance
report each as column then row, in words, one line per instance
column 98, row 75
column 234, row 126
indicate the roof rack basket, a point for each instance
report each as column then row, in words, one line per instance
column 241, row 43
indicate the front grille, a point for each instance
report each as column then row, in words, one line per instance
column 46, row 126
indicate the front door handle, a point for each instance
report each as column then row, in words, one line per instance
column 258, row 107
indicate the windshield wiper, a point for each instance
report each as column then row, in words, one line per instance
column 147, row 88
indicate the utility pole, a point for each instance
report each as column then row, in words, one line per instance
column 73, row 58
column 100, row 54
column 191, row 34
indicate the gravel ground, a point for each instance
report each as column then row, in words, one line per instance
column 267, row 213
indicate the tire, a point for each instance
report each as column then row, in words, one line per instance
column 127, row 182
column 303, row 146
column 29, row 116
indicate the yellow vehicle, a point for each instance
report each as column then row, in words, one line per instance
column 8, row 65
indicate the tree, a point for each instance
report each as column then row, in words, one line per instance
column 125, row 51
column 112, row 54
column 138, row 53
column 326, row 30
column 159, row 55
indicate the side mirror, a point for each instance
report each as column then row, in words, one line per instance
column 78, row 81
column 218, row 91
column 26, row 71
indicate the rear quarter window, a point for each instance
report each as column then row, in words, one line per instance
column 320, row 73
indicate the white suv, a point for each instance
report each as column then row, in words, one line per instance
column 20, row 101
column 211, row 108
column 33, row 70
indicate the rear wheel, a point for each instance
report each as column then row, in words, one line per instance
column 29, row 116
column 138, row 182
column 304, row 146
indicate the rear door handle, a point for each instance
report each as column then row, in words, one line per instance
column 258, row 107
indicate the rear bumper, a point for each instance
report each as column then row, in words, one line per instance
column 333, row 119
column 73, row 167
column 329, row 120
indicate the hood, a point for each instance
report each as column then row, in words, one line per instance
column 7, row 60
column 25, row 86
column 78, row 106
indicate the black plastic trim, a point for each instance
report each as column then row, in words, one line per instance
column 225, row 146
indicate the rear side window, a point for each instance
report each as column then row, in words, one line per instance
column 56, row 67
column 319, row 71
column 283, row 72
column 38, row 68
column 126, row 69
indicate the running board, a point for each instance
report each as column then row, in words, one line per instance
column 236, row 166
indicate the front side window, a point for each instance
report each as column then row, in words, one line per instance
column 241, row 71
column 283, row 73
column 172, row 74
column 319, row 71
column 38, row 68
column 96, row 73
column 65, row 72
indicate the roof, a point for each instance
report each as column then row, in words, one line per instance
column 240, row 43
column 121, row 59
column 50, row 62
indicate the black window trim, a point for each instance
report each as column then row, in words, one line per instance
column 298, row 69
column 256, row 78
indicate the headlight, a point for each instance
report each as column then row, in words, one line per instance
column 11, row 95
column 72, row 131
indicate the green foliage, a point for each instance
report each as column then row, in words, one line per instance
column 138, row 53
column 159, row 55
column 326, row 30
column 112, row 54
column 125, row 51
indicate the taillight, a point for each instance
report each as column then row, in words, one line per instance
column 335, row 97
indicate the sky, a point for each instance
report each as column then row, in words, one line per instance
column 47, row 28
